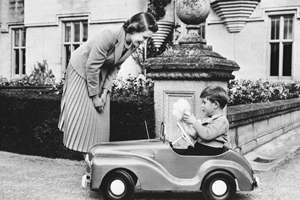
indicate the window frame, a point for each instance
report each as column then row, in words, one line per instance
column 72, row 42
column 281, row 41
column 21, row 48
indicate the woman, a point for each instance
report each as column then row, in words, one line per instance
column 84, row 117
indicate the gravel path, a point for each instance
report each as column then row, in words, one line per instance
column 37, row 178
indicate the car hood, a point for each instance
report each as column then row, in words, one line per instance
column 132, row 146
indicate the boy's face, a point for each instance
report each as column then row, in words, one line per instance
column 208, row 107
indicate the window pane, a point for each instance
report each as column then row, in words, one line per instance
column 17, row 37
column 85, row 31
column 275, row 24
column 76, row 46
column 77, row 31
column 24, row 38
column 288, row 27
column 24, row 61
column 274, row 59
column 17, row 69
column 68, row 32
column 202, row 30
column 287, row 59
column 68, row 54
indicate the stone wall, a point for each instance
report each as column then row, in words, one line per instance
column 252, row 125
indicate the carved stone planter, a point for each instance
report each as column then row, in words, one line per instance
column 186, row 69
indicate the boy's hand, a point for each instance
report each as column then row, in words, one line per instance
column 189, row 118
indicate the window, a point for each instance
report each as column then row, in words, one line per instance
column 202, row 30
column 75, row 33
column 16, row 7
column 281, row 46
column 19, row 51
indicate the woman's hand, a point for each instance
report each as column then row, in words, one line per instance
column 189, row 118
column 103, row 98
column 98, row 103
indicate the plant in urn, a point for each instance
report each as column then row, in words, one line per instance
column 192, row 13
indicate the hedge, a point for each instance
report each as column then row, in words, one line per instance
column 29, row 120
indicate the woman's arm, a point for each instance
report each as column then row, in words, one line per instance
column 98, row 55
column 110, row 77
column 216, row 128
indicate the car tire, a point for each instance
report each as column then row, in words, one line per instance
column 118, row 185
column 219, row 185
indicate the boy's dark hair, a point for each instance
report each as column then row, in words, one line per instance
column 141, row 22
column 215, row 93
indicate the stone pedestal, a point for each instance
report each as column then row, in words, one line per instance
column 183, row 71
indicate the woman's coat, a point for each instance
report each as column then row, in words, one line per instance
column 98, row 59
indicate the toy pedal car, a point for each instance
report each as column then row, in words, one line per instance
column 116, row 167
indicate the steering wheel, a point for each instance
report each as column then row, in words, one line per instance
column 184, row 135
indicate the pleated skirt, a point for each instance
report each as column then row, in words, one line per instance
column 82, row 125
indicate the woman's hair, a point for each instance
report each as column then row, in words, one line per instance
column 215, row 93
column 141, row 22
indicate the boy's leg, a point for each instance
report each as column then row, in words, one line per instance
column 201, row 149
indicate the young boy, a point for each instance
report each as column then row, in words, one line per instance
column 211, row 131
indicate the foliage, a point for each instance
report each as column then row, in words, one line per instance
column 132, row 88
column 3, row 81
column 40, row 76
column 157, row 8
column 247, row 91
column 239, row 91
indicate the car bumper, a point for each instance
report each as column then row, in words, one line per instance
column 86, row 180
column 255, row 182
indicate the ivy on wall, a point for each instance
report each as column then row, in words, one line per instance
column 157, row 8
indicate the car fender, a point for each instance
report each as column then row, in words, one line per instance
column 151, row 175
column 244, row 179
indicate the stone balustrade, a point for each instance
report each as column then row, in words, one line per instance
column 252, row 125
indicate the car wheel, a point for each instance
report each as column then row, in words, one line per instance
column 219, row 185
column 118, row 185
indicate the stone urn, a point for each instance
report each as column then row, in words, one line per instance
column 192, row 12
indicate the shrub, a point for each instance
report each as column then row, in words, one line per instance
column 247, row 91
column 40, row 76
column 132, row 88
column 3, row 81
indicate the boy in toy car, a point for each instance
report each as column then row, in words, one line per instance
column 212, row 131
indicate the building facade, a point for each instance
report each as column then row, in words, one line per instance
column 33, row 30
column 262, row 36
